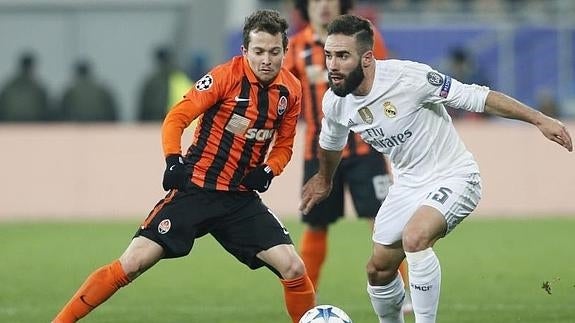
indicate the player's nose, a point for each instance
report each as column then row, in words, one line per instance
column 331, row 65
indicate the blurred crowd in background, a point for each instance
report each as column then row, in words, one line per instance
column 24, row 97
column 90, row 96
column 514, row 8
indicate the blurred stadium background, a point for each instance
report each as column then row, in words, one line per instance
column 523, row 47
column 526, row 47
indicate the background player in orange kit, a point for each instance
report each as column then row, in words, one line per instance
column 306, row 59
column 243, row 107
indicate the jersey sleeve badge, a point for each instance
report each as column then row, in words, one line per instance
column 204, row 83
column 434, row 78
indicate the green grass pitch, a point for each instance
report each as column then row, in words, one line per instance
column 493, row 271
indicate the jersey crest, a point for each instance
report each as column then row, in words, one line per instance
column 389, row 109
column 164, row 226
column 282, row 105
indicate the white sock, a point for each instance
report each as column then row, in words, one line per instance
column 387, row 300
column 424, row 284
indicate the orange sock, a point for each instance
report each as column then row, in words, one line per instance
column 403, row 272
column 97, row 288
column 299, row 296
column 313, row 252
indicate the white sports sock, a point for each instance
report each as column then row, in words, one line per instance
column 387, row 300
column 424, row 284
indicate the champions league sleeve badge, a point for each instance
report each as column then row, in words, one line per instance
column 434, row 78
column 204, row 83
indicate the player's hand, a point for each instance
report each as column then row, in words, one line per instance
column 259, row 178
column 314, row 191
column 175, row 175
column 555, row 131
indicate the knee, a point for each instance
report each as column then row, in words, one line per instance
column 141, row 254
column 372, row 272
column 415, row 240
column 132, row 266
column 295, row 269
column 379, row 274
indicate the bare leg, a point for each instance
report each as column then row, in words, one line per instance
column 298, row 289
column 141, row 254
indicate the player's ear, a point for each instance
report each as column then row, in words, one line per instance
column 366, row 59
column 244, row 50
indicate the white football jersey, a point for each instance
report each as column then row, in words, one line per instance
column 404, row 117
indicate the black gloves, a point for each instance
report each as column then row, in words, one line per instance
column 259, row 178
column 175, row 175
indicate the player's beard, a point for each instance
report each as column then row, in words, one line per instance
column 349, row 84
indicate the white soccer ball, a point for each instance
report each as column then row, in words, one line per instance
column 325, row 314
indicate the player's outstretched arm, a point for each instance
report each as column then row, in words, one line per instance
column 318, row 187
column 502, row 105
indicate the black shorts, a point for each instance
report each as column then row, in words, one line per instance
column 367, row 180
column 239, row 221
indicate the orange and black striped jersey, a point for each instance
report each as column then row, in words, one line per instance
column 240, row 123
column 306, row 60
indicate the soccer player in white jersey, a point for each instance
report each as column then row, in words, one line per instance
column 399, row 108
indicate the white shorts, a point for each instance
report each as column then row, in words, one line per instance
column 454, row 197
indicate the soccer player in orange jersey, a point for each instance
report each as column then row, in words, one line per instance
column 306, row 59
column 247, row 110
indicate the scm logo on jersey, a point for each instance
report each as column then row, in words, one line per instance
column 259, row 134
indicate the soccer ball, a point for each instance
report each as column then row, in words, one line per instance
column 325, row 314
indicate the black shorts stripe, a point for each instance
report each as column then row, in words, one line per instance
column 158, row 207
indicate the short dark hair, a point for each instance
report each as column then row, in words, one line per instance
column 358, row 27
column 163, row 54
column 301, row 5
column 459, row 55
column 82, row 68
column 27, row 61
column 266, row 20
